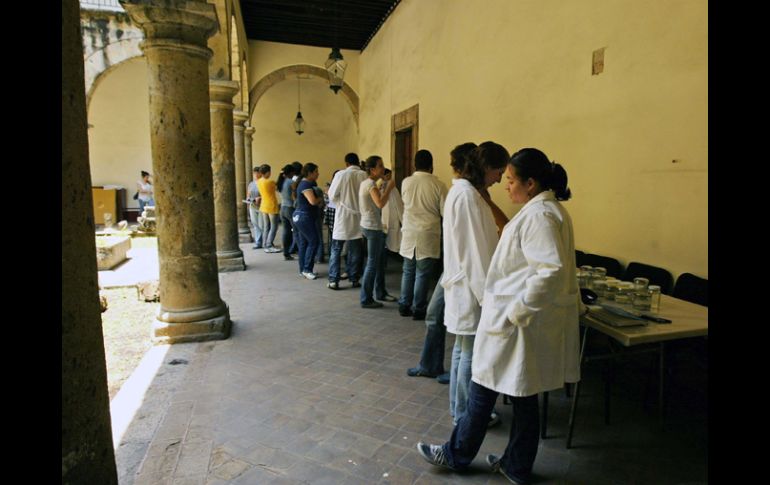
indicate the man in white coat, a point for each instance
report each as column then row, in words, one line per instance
column 424, row 195
column 347, row 222
column 527, row 339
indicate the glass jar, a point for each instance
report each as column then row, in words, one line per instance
column 642, row 299
column 582, row 277
column 641, row 283
column 654, row 291
column 624, row 292
column 600, row 287
column 599, row 273
column 612, row 289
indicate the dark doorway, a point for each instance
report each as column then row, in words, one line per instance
column 404, row 163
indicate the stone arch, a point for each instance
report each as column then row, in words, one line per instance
column 101, row 61
column 283, row 73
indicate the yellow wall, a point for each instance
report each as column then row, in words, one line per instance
column 266, row 57
column 119, row 142
column 330, row 130
column 519, row 73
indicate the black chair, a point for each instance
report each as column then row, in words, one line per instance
column 579, row 258
column 692, row 288
column 657, row 276
column 611, row 264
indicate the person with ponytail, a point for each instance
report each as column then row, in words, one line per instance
column 288, row 235
column 527, row 337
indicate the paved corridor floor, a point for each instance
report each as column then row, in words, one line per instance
column 311, row 388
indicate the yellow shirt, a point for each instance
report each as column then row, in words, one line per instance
column 269, row 204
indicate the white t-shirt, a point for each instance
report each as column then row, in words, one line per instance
column 371, row 215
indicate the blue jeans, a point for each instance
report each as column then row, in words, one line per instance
column 319, row 254
column 271, row 221
column 471, row 429
column 256, row 223
column 432, row 356
column 374, row 273
column 460, row 375
column 414, row 284
column 353, row 263
column 308, row 240
column 287, row 237
column 143, row 203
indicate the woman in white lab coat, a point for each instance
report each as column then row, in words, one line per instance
column 470, row 237
column 527, row 339
column 392, row 215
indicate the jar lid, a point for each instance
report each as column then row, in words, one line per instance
column 654, row 287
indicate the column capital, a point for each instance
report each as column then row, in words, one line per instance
column 174, row 24
column 250, row 131
column 239, row 118
column 221, row 93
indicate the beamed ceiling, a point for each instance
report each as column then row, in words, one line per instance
column 347, row 24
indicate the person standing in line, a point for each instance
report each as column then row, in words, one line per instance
column 268, row 208
column 343, row 192
column 287, row 210
column 305, row 219
column 295, row 179
column 253, row 198
column 145, row 190
column 424, row 196
column 528, row 335
column 371, row 201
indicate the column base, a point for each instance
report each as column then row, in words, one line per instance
column 230, row 261
column 245, row 238
column 216, row 328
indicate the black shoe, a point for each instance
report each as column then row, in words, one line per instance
column 373, row 304
column 418, row 316
column 333, row 285
column 418, row 372
column 405, row 311
column 355, row 284
column 389, row 298
column 288, row 258
column 443, row 378
column 494, row 462
column 434, row 454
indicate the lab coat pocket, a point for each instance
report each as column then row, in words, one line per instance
column 495, row 315
column 457, row 295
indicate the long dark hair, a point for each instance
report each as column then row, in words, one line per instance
column 532, row 163
column 286, row 173
column 308, row 168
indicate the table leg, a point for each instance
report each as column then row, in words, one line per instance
column 573, row 408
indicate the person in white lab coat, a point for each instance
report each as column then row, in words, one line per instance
column 527, row 339
column 343, row 192
column 392, row 214
column 470, row 237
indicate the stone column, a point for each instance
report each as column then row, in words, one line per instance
column 226, row 171
column 239, row 118
column 248, row 166
column 180, row 138
column 247, row 134
column 87, row 454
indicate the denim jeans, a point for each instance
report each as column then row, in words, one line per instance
column 432, row 356
column 142, row 204
column 256, row 222
column 471, row 429
column 414, row 284
column 308, row 240
column 271, row 221
column 460, row 375
column 353, row 262
column 319, row 254
column 374, row 273
column 287, row 236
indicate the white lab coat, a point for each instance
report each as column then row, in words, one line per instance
column 344, row 193
column 392, row 214
column 527, row 339
column 470, row 237
column 424, row 196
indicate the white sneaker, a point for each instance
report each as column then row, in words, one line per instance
column 310, row 276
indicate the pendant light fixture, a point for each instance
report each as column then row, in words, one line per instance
column 335, row 64
column 299, row 122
